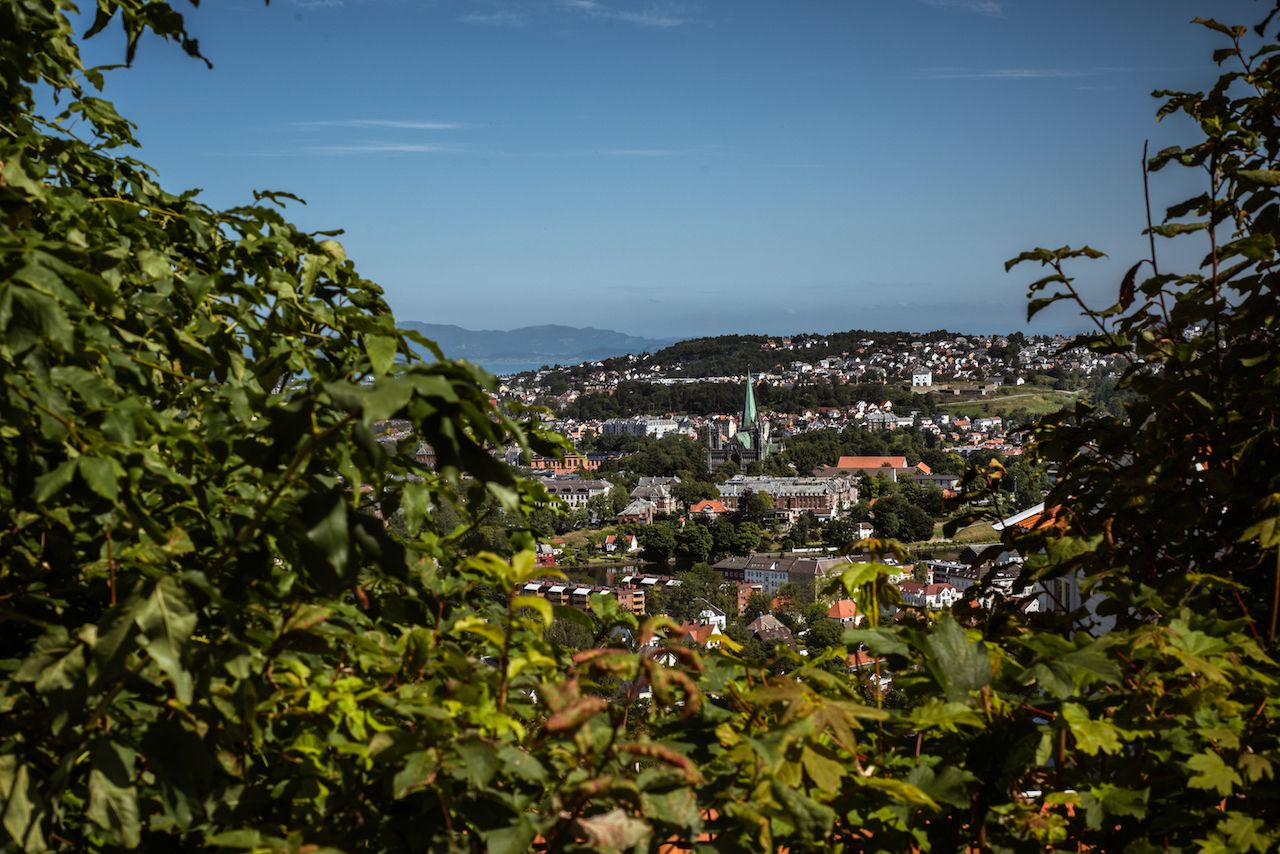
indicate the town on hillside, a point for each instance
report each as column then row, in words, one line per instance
column 732, row 503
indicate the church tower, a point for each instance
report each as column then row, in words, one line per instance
column 751, row 442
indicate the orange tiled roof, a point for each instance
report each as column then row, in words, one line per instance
column 699, row 633
column 1045, row 517
column 845, row 609
column 856, row 462
column 861, row 659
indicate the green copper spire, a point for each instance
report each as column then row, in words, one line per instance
column 749, row 408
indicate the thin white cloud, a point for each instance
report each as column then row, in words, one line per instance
column 640, row 152
column 502, row 18
column 991, row 8
column 1003, row 73
column 396, row 124
column 356, row 148
column 651, row 17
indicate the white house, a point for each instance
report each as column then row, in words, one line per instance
column 713, row 616
column 576, row 493
column 931, row 596
column 626, row 542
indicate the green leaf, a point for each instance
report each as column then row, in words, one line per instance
column 382, row 352
column 1212, row 773
column 419, row 770
column 329, row 533
column 1091, row 735
column 512, row 839
column 1242, row 832
column 521, row 764
column 899, row 790
column 812, row 820
column 1064, row 674
column 113, row 800
column 858, row 575
column 1260, row 177
column 56, row 662
column 945, row 784
column 882, row 641
column 22, row 805
column 477, row 625
column 1173, row 229
column 13, row 174
column 1212, row 24
column 825, row 772
column 1108, row 800
column 478, row 762
column 113, row 639
column 243, row 839
column 51, row 483
column 1255, row 767
column 536, row 603
column 1039, row 304
column 677, row 807
column 167, row 620
column 101, row 476
column 948, row 716
column 958, row 664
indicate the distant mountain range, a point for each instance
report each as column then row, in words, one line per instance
column 531, row 347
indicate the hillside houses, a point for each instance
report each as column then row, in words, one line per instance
column 925, row 363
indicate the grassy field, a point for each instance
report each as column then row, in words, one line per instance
column 1037, row 401
column 980, row 532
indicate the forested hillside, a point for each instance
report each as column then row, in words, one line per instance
column 732, row 355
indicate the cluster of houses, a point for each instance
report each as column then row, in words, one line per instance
column 951, row 364
column 962, row 433
column 826, row 497
column 922, row 363
column 828, row 493
column 630, row 592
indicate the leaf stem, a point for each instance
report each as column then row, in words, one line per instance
column 1151, row 235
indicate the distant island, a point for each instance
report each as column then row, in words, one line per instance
column 531, row 347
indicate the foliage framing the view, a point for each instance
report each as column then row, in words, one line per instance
column 211, row 641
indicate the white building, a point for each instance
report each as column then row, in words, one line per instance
column 576, row 493
column 713, row 616
column 640, row 425
column 931, row 596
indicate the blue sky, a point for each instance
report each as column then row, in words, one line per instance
column 676, row 169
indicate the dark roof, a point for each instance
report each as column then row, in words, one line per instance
column 769, row 627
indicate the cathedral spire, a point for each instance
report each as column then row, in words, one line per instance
column 749, row 407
